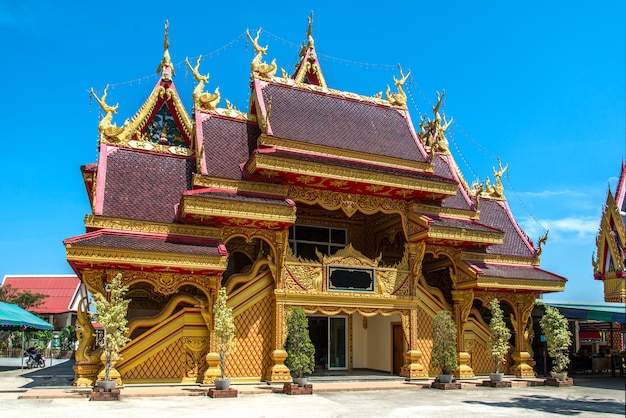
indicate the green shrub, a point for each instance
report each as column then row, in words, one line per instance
column 498, row 343
column 300, row 350
column 444, row 339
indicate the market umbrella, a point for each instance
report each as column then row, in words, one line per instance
column 14, row 318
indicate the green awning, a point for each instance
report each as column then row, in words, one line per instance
column 12, row 317
column 605, row 312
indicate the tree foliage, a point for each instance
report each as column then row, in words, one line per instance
column 224, row 329
column 68, row 338
column 300, row 350
column 112, row 309
column 498, row 343
column 558, row 337
column 24, row 299
column 444, row 339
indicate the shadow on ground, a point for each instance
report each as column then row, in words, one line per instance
column 560, row 406
column 60, row 374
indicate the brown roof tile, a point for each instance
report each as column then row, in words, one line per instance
column 227, row 144
column 333, row 121
column 145, row 186
column 515, row 272
column 178, row 245
column 245, row 198
column 496, row 214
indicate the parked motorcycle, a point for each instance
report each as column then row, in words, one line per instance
column 34, row 359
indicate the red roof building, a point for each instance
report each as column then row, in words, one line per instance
column 63, row 294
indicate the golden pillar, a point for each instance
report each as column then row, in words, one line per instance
column 412, row 368
column 463, row 300
column 278, row 372
column 212, row 358
column 524, row 304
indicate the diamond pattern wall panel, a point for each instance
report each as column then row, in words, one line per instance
column 166, row 364
column 254, row 341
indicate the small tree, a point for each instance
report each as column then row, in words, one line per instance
column 224, row 329
column 558, row 337
column 112, row 309
column 444, row 339
column 498, row 343
column 300, row 350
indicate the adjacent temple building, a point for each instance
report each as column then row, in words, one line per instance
column 314, row 197
column 609, row 263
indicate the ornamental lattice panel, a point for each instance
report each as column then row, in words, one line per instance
column 166, row 364
column 254, row 341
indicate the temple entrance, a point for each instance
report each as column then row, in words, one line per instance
column 329, row 335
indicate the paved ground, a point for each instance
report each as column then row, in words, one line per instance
column 48, row 392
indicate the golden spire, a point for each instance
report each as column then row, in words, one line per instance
column 166, row 63
column 310, row 31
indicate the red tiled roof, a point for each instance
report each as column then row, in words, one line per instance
column 460, row 223
column 496, row 214
column 273, row 200
column 227, row 143
column 60, row 290
column 362, row 166
column 159, row 243
column 458, row 201
column 514, row 272
column 333, row 121
column 145, row 186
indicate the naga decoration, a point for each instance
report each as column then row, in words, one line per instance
column 486, row 189
column 105, row 127
column 541, row 242
column 432, row 132
column 399, row 98
column 258, row 67
column 202, row 100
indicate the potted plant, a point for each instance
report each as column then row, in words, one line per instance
column 300, row 350
column 558, row 338
column 112, row 309
column 498, row 343
column 224, row 335
column 444, row 345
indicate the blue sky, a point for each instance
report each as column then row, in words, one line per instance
column 539, row 84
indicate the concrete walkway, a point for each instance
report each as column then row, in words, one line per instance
column 23, row 392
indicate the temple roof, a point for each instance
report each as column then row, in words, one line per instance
column 225, row 144
column 141, row 185
column 497, row 214
column 113, row 249
column 336, row 122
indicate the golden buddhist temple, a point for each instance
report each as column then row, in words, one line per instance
column 314, row 197
column 609, row 262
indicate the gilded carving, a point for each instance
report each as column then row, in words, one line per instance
column 203, row 101
column 432, row 132
column 260, row 68
column 398, row 99
column 195, row 350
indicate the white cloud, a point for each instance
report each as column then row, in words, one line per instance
column 570, row 227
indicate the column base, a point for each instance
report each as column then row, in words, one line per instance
column 278, row 372
column 521, row 368
column 464, row 371
column 213, row 370
column 412, row 368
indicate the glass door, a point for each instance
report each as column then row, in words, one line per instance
column 337, row 343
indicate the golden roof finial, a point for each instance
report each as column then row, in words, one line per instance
column 166, row 62
column 310, row 31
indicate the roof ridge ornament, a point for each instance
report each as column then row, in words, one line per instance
column 432, row 131
column 399, row 98
column 260, row 68
column 105, row 127
column 165, row 66
column 487, row 190
column 541, row 242
column 202, row 100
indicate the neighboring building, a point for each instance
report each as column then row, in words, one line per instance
column 63, row 294
column 316, row 198
column 609, row 262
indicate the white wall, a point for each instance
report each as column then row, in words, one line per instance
column 379, row 342
column 359, row 342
